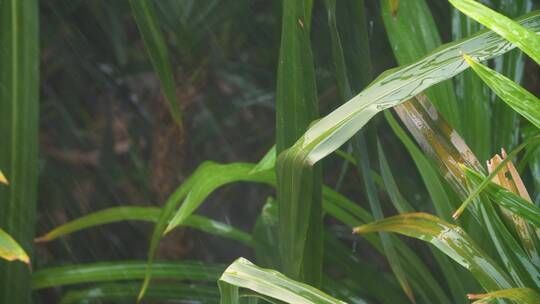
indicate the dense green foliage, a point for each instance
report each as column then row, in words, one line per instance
column 407, row 146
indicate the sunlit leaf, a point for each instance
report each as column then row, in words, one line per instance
column 269, row 283
column 3, row 179
column 10, row 250
column 525, row 39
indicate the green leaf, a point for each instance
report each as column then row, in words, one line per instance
column 210, row 176
column 518, row 295
column 123, row 271
column 300, row 206
column 243, row 274
column 515, row 96
column 147, row 22
column 126, row 292
column 10, row 250
column 525, row 39
column 149, row 214
column 19, row 117
column 506, row 198
column 450, row 239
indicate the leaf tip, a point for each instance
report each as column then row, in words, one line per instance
column 3, row 179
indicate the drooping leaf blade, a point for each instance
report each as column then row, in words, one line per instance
column 269, row 283
column 525, row 39
column 147, row 22
column 515, row 96
column 450, row 239
column 148, row 214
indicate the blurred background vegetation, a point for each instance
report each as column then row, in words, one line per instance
column 107, row 137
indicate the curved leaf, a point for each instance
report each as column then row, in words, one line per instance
column 122, row 271
column 10, row 250
column 243, row 274
column 450, row 239
column 149, row 214
column 515, row 96
column 525, row 39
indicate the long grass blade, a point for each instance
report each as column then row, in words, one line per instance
column 147, row 22
column 515, row 96
column 123, row 271
column 525, row 39
column 300, row 206
column 128, row 292
column 147, row 214
column 244, row 274
column 19, row 111
column 450, row 239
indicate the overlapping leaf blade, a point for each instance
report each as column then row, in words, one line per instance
column 517, row 295
column 450, row 239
